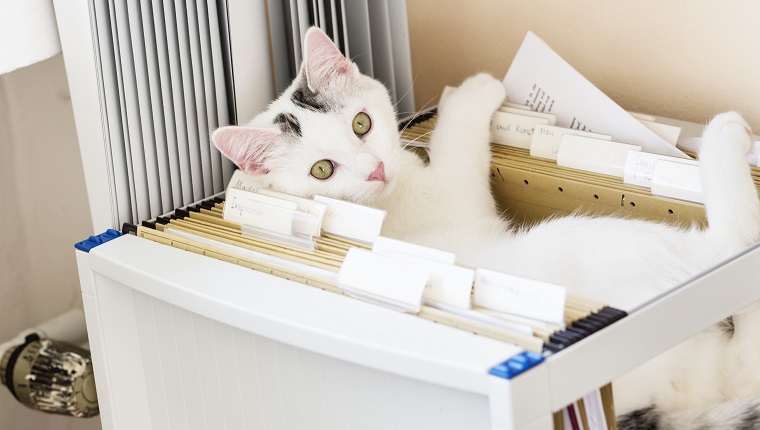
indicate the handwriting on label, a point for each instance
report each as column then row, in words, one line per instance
column 677, row 180
column 513, row 130
column 242, row 181
column 640, row 167
column 547, row 140
column 260, row 211
column 240, row 209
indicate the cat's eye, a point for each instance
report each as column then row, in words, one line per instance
column 322, row 169
column 361, row 124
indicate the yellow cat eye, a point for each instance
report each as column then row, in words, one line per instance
column 361, row 124
column 322, row 169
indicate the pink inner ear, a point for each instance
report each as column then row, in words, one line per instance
column 248, row 147
column 322, row 59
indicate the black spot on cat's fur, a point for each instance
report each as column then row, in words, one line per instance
column 727, row 327
column 641, row 419
column 750, row 419
column 305, row 98
column 288, row 123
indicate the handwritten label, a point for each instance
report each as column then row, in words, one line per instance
column 383, row 280
column 351, row 220
column 594, row 155
column 547, row 140
column 678, row 180
column 519, row 296
column 241, row 181
column 511, row 129
column 259, row 211
column 639, row 167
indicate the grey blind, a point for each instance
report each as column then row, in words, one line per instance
column 163, row 88
column 166, row 81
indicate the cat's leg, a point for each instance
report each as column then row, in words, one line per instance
column 733, row 215
column 731, row 199
column 460, row 152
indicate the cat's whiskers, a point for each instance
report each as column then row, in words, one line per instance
column 410, row 142
column 416, row 114
column 414, row 81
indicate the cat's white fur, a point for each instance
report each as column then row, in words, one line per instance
column 448, row 204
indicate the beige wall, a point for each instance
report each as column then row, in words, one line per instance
column 44, row 212
column 686, row 59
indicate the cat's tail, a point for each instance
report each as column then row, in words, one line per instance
column 731, row 199
column 738, row 414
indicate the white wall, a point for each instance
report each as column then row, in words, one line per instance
column 44, row 212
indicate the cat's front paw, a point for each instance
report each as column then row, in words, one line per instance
column 481, row 91
column 727, row 129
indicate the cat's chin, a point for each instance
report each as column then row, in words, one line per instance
column 373, row 193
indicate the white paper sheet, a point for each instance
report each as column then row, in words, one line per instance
column 541, row 79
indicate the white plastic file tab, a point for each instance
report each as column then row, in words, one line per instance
column 383, row 280
column 594, row 155
column 510, row 129
column 677, row 181
column 351, row 220
column 241, row 181
column 639, row 167
column 448, row 284
column 392, row 248
column 547, row 139
column 529, row 112
column 260, row 211
column 519, row 296
column 304, row 205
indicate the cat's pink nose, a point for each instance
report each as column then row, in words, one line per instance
column 378, row 174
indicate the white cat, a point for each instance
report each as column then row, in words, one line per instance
column 333, row 132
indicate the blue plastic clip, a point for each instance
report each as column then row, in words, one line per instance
column 516, row 365
column 93, row 241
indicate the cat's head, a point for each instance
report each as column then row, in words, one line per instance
column 332, row 132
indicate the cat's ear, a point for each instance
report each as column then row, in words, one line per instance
column 247, row 147
column 322, row 60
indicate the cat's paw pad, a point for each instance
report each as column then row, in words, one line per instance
column 478, row 90
column 728, row 128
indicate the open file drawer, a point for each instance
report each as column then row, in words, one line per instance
column 184, row 340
